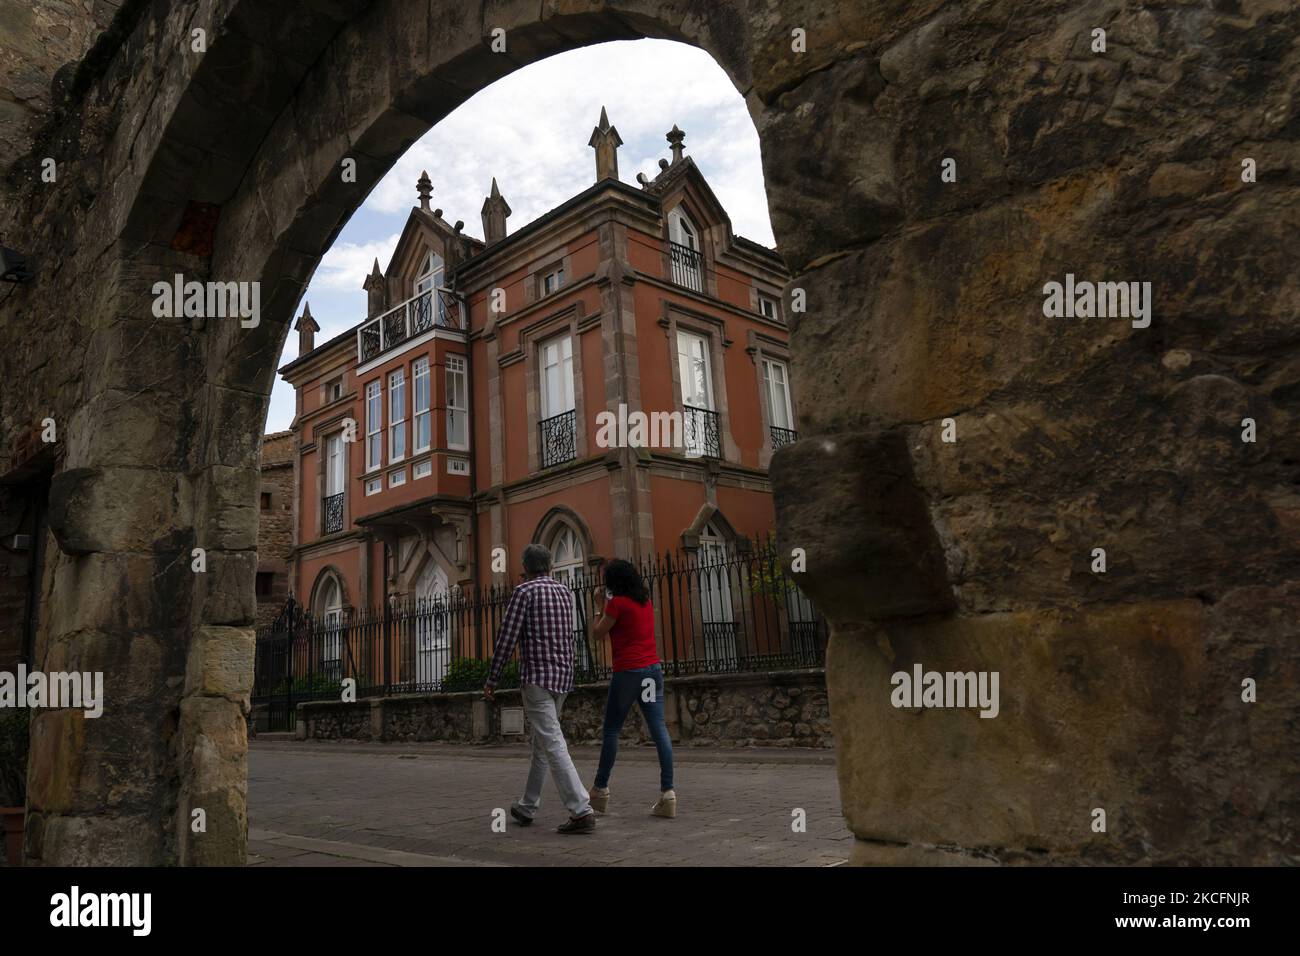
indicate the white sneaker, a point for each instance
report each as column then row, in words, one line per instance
column 666, row 806
column 599, row 799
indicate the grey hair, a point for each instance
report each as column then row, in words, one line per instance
column 537, row 559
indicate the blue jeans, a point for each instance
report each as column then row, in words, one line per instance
column 624, row 688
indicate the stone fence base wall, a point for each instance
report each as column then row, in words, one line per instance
column 782, row 709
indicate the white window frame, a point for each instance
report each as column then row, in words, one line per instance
column 396, row 415
column 458, row 466
column 457, row 384
column 335, row 465
column 422, row 418
column 775, row 401
column 422, row 469
column 764, row 299
column 554, row 274
column 397, row 478
column 374, row 425
column 685, row 355
column 563, row 366
column 374, row 485
column 331, row 395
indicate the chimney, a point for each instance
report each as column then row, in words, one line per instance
column 495, row 212
column 675, row 137
column 307, row 329
column 424, row 187
column 606, row 141
column 374, row 286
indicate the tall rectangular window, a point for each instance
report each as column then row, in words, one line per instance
column 693, row 364
column 557, row 376
column 457, row 403
column 334, row 465
column 374, row 425
column 397, row 415
column 778, row 394
column 422, row 419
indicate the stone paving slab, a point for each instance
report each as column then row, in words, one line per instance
column 334, row 804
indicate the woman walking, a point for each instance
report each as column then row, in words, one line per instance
column 629, row 621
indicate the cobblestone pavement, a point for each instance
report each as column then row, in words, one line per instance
column 334, row 804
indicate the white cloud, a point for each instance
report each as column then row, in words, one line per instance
column 347, row 264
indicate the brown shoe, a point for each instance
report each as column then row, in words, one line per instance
column 583, row 824
column 600, row 799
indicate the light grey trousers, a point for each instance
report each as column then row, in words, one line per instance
column 550, row 752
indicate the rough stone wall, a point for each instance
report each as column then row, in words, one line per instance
column 275, row 523
column 41, row 40
column 784, row 709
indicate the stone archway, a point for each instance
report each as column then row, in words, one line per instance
column 922, row 303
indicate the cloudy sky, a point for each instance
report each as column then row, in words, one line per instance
column 530, row 131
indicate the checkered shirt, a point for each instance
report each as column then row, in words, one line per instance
column 539, row 618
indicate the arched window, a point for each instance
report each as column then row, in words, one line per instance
column 429, row 306
column 432, row 626
column 567, row 566
column 566, row 555
column 684, row 250
column 716, row 610
column 328, row 611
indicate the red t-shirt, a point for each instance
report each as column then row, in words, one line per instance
column 633, row 635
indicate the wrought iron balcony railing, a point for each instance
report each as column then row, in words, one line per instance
column 700, row 428
column 332, row 514
column 688, row 266
column 415, row 316
column 559, row 438
column 783, row 436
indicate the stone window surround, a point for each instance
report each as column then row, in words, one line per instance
column 325, row 574
column 714, row 332
column 567, row 320
column 320, row 433
column 757, row 290
column 536, row 287
column 707, row 264
column 562, row 516
column 764, row 347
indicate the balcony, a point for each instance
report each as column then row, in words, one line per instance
column 700, row 427
column 783, row 436
column 331, row 510
column 688, row 266
column 403, row 322
column 558, row 438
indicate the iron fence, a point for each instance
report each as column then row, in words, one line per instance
column 714, row 613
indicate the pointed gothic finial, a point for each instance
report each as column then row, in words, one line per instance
column 495, row 212
column 675, row 137
column 307, row 328
column 375, row 288
column 424, row 187
column 606, row 141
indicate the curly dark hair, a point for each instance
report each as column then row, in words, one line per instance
column 623, row 580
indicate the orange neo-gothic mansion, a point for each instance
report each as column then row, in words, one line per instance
column 461, row 415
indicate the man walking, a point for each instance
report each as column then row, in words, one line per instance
column 540, row 619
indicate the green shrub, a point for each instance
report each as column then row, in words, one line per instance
column 13, row 757
column 466, row 673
